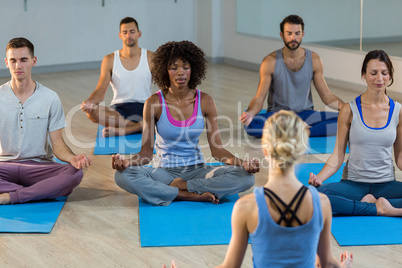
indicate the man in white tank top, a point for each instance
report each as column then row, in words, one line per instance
column 128, row 71
column 286, row 74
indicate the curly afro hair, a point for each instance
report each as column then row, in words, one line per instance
column 167, row 54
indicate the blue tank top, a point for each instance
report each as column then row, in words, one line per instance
column 177, row 141
column 277, row 246
column 291, row 90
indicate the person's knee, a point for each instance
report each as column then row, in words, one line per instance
column 93, row 116
column 249, row 182
column 120, row 179
column 76, row 175
column 125, row 180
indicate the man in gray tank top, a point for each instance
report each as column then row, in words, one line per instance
column 285, row 76
column 131, row 81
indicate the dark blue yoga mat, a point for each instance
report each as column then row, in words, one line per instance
column 356, row 230
column 319, row 145
column 34, row 217
column 322, row 145
column 185, row 223
column 128, row 144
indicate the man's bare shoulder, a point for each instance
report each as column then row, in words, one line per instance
column 270, row 57
column 108, row 59
column 268, row 63
column 315, row 57
column 150, row 53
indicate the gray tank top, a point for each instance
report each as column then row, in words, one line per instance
column 370, row 158
column 291, row 90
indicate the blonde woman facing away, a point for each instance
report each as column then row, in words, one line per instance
column 288, row 223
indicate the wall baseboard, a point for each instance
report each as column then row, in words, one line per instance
column 59, row 68
column 242, row 64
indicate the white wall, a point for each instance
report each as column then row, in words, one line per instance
column 73, row 33
column 82, row 31
column 209, row 28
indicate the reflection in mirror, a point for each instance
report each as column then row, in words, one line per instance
column 329, row 23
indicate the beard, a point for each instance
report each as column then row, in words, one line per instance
column 292, row 47
column 130, row 42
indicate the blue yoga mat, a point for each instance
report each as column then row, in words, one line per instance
column 356, row 230
column 128, row 144
column 303, row 172
column 186, row 223
column 34, row 217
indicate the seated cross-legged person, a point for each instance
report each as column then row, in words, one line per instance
column 179, row 113
column 128, row 71
column 30, row 116
column 285, row 76
column 288, row 224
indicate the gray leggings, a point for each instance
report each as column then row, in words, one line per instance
column 152, row 184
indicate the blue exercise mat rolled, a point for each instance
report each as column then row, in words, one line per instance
column 356, row 230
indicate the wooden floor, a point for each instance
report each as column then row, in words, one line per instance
column 98, row 226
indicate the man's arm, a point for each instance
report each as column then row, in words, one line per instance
column 64, row 153
column 326, row 95
column 266, row 70
column 100, row 91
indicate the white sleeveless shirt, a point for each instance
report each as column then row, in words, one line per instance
column 131, row 86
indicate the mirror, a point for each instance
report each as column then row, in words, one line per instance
column 329, row 23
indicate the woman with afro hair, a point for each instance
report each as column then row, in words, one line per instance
column 177, row 115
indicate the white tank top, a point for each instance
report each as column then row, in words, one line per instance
column 131, row 86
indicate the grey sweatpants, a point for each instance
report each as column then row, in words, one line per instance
column 152, row 184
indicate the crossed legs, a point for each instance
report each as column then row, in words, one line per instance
column 354, row 198
column 29, row 180
column 160, row 186
column 114, row 122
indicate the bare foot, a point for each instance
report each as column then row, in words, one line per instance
column 208, row 197
column 205, row 197
column 179, row 183
column 5, row 199
column 384, row 208
column 113, row 131
column 369, row 198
